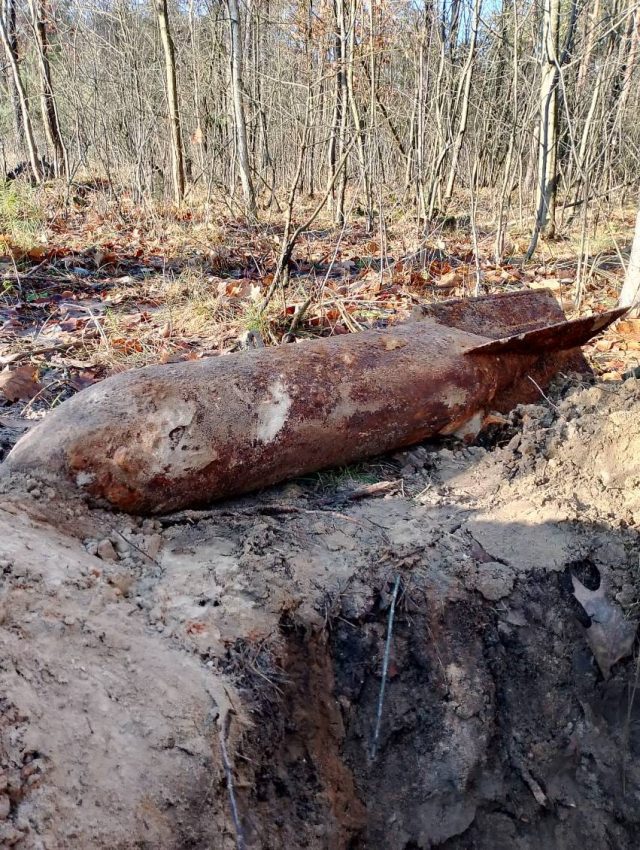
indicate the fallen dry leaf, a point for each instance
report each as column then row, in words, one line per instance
column 547, row 283
column 451, row 279
column 629, row 328
column 603, row 345
column 83, row 380
column 20, row 383
column 610, row 634
column 128, row 346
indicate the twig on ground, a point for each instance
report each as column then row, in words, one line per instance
column 142, row 552
column 379, row 488
column 16, row 356
column 627, row 725
column 351, row 323
column 289, row 336
column 545, row 397
column 385, row 667
column 228, row 772
column 268, row 510
column 39, row 394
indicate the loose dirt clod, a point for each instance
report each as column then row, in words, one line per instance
column 271, row 614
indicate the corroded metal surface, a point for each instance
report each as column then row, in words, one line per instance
column 499, row 315
column 165, row 437
column 560, row 336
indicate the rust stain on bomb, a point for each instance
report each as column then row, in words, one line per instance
column 166, row 437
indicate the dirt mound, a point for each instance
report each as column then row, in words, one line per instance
column 214, row 678
column 582, row 454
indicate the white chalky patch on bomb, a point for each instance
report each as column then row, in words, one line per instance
column 85, row 478
column 273, row 412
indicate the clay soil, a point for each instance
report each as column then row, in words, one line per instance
column 212, row 679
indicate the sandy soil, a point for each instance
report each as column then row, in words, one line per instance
column 155, row 674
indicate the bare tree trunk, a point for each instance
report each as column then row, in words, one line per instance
column 442, row 130
column 8, row 12
column 238, row 110
column 357, row 120
column 585, row 61
column 548, row 141
column 47, row 98
column 630, row 295
column 12, row 58
column 507, row 181
column 341, row 107
column 462, row 102
column 630, row 62
column 332, row 149
column 177, row 155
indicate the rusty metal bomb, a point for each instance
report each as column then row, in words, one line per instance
column 167, row 437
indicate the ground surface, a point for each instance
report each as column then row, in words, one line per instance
column 213, row 679
column 144, row 662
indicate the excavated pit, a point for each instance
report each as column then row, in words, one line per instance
column 145, row 663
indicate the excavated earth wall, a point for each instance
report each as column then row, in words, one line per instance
column 212, row 679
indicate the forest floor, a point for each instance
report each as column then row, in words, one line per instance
column 213, row 679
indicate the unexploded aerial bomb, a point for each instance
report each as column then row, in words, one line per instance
column 167, row 437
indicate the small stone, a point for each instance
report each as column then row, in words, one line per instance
column 415, row 460
column 494, row 581
column 14, row 784
column 5, row 806
column 9, row 836
column 515, row 617
column 121, row 546
column 513, row 443
column 36, row 493
column 154, row 544
column 91, row 546
column 106, row 551
column 627, row 595
column 123, row 583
